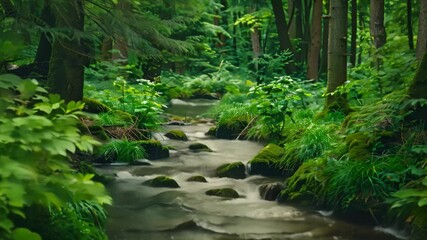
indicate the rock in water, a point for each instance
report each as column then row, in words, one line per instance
column 234, row 170
column 161, row 181
column 176, row 135
column 223, row 192
column 270, row 191
column 199, row 147
column 197, row 178
column 265, row 162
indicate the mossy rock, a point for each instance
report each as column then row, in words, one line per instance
column 211, row 131
column 234, row 170
column 154, row 149
column 197, row 178
column 231, row 131
column 223, row 192
column 265, row 162
column 161, row 181
column 95, row 106
column 199, row 147
column 270, row 191
column 176, row 135
column 359, row 146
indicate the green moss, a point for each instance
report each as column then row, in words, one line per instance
column 197, row 178
column 232, row 170
column 161, row 181
column 154, row 149
column 211, row 131
column 177, row 135
column 265, row 162
column 94, row 106
column 199, row 147
column 359, row 146
column 223, row 192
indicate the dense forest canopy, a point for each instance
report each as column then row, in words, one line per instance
column 336, row 89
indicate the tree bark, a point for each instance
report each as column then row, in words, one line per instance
column 324, row 59
column 106, row 48
column 409, row 24
column 256, row 43
column 376, row 25
column 422, row 30
column 353, row 43
column 282, row 31
column 417, row 90
column 314, row 49
column 44, row 49
column 66, row 64
column 337, row 56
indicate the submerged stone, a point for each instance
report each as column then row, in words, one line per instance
column 154, row 149
column 270, row 191
column 266, row 161
column 142, row 162
column 176, row 135
column 199, row 147
column 161, row 181
column 197, row 178
column 223, row 192
column 234, row 170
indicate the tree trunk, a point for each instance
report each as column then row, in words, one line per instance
column 417, row 90
column 314, row 49
column 324, row 59
column 409, row 24
column 353, row 43
column 422, row 30
column 106, row 48
column 66, row 63
column 256, row 43
column 282, row 31
column 44, row 49
column 377, row 23
column 337, row 57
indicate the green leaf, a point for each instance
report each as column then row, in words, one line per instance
column 24, row 234
column 422, row 202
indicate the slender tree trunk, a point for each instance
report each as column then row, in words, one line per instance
column 337, row 59
column 66, row 64
column 44, row 49
column 106, row 48
column 376, row 25
column 422, row 30
column 292, row 30
column 314, row 49
column 324, row 59
column 361, row 26
column 298, row 29
column 256, row 43
column 282, row 31
column 353, row 43
column 409, row 24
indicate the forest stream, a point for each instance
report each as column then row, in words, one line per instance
column 187, row 213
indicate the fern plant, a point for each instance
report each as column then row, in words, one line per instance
column 122, row 150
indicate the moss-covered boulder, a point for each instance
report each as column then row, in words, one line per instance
column 95, row 106
column 154, row 149
column 161, row 181
column 231, row 131
column 265, row 162
column 199, row 147
column 234, row 170
column 270, row 191
column 197, row 178
column 176, row 135
column 211, row 132
column 223, row 192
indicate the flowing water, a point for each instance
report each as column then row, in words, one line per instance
column 143, row 213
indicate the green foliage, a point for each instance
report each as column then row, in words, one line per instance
column 122, row 151
column 140, row 100
column 37, row 132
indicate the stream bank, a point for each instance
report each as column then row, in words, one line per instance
column 143, row 212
